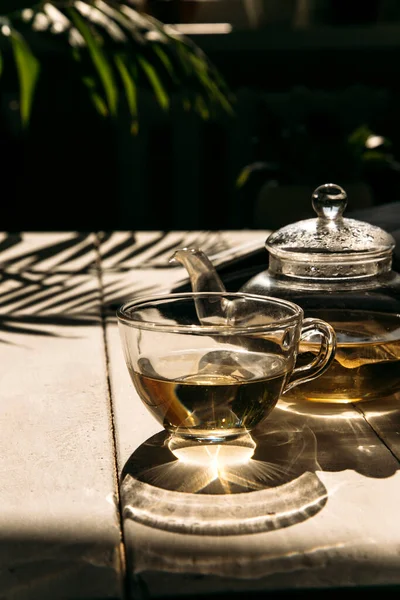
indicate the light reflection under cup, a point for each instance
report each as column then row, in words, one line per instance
column 216, row 456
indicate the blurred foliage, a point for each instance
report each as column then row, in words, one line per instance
column 310, row 135
column 115, row 49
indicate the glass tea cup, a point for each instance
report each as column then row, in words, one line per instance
column 211, row 366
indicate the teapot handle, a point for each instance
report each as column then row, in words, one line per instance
column 324, row 357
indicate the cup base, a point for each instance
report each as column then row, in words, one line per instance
column 210, row 449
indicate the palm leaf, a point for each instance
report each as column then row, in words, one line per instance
column 27, row 67
column 117, row 51
column 96, row 98
column 99, row 58
column 28, row 72
column 155, row 82
column 166, row 62
column 126, row 73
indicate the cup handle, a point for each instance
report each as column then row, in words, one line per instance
column 324, row 357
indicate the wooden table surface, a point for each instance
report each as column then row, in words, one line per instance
column 92, row 503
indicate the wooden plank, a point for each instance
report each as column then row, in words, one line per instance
column 59, row 522
column 319, row 510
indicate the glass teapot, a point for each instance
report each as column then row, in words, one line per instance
column 339, row 270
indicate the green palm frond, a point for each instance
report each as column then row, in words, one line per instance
column 116, row 50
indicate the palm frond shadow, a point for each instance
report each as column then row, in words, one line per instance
column 130, row 252
column 34, row 299
column 126, row 243
column 210, row 245
column 26, row 325
column 46, row 292
column 22, row 278
column 32, row 305
column 42, row 308
column 85, row 244
column 9, row 241
column 43, row 325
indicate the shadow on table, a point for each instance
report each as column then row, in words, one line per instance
column 39, row 562
column 352, row 436
column 231, row 491
column 225, row 493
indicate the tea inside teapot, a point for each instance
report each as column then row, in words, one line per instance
column 367, row 359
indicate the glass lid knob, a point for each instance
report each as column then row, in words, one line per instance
column 329, row 201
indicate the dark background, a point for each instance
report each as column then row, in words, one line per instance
column 304, row 84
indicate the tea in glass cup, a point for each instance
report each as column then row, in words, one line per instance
column 211, row 366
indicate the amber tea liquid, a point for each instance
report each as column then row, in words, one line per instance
column 226, row 393
column 367, row 361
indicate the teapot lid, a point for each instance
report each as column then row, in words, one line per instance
column 330, row 246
